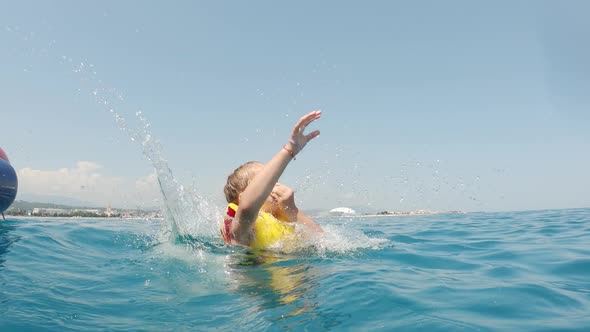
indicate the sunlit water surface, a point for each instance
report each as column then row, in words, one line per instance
column 519, row 271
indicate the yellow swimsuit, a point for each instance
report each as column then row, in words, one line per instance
column 267, row 229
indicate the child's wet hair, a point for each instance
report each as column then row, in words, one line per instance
column 238, row 181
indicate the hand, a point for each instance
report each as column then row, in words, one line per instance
column 298, row 139
column 283, row 198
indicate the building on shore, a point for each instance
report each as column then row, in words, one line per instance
column 49, row 211
column 342, row 211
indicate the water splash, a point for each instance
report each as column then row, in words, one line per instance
column 340, row 239
column 187, row 213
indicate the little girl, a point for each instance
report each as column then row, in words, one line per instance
column 262, row 211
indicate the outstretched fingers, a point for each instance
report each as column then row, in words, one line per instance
column 312, row 135
column 313, row 116
column 305, row 121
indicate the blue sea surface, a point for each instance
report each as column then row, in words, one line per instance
column 512, row 271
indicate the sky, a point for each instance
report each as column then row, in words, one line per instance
column 455, row 105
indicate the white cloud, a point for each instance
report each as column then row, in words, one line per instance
column 148, row 189
column 87, row 182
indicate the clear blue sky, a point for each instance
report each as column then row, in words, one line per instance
column 427, row 104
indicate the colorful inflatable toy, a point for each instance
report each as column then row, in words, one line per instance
column 8, row 183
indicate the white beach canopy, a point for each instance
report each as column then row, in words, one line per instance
column 343, row 210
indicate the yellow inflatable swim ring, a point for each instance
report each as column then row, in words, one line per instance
column 267, row 230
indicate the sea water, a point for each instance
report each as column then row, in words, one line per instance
column 510, row 271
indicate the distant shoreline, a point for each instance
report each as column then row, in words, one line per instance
column 418, row 213
column 371, row 215
column 79, row 218
column 392, row 214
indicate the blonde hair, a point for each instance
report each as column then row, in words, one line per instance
column 238, row 181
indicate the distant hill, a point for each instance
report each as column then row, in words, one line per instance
column 24, row 205
column 28, row 206
column 54, row 199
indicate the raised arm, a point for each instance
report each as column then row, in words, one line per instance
column 260, row 187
